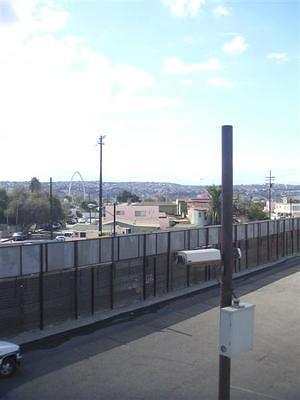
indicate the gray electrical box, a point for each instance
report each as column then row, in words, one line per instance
column 236, row 329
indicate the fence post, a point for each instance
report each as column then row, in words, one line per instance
column 268, row 241
column 168, row 261
column 154, row 277
column 46, row 257
column 112, row 268
column 283, row 240
column 144, row 265
column 235, row 246
column 246, row 246
column 206, row 236
column 21, row 260
column 188, row 266
column 76, row 279
column 258, row 243
column 298, row 236
column 277, row 238
column 41, row 287
column 92, row 290
column 207, row 268
column 292, row 234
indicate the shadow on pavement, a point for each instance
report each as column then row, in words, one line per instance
column 47, row 355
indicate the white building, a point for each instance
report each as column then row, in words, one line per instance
column 287, row 209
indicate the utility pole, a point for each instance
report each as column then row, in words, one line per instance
column 270, row 181
column 291, row 206
column 115, row 211
column 101, row 143
column 226, row 249
column 51, row 211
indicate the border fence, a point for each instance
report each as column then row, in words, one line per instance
column 47, row 283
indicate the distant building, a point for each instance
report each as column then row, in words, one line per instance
column 287, row 208
column 137, row 217
column 181, row 210
column 198, row 210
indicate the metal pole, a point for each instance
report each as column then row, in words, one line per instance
column 51, row 211
column 270, row 180
column 41, row 287
column 227, row 250
column 115, row 206
column 270, row 197
column 101, row 143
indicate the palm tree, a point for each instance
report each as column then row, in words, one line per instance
column 214, row 193
column 35, row 185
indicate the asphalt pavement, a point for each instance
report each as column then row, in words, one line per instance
column 170, row 351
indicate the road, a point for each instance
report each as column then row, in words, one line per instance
column 170, row 351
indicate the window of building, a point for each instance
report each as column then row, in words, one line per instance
column 120, row 212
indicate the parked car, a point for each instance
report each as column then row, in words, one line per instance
column 20, row 236
column 10, row 357
column 56, row 226
column 60, row 238
column 72, row 221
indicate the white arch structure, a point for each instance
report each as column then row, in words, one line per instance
column 82, row 183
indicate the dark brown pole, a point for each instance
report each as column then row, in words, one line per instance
column 101, row 143
column 115, row 211
column 227, row 249
column 51, row 210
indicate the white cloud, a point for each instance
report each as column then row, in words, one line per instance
column 56, row 91
column 236, row 46
column 278, row 57
column 173, row 65
column 187, row 82
column 220, row 82
column 221, row 11
column 188, row 40
column 132, row 78
column 183, row 8
column 32, row 16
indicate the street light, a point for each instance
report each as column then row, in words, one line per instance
column 91, row 206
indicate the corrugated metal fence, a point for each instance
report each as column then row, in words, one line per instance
column 48, row 283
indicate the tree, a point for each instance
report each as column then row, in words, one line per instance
column 35, row 185
column 16, row 208
column 85, row 205
column 28, row 208
column 214, row 193
column 127, row 197
column 255, row 212
column 3, row 205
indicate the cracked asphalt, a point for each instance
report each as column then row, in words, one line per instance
column 171, row 351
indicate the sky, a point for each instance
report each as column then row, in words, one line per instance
column 158, row 78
